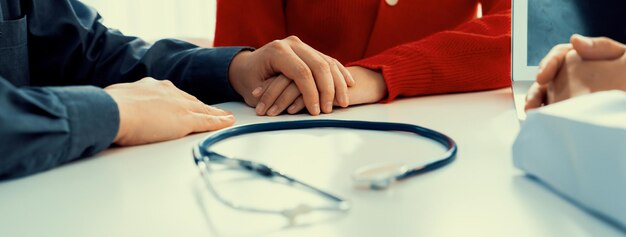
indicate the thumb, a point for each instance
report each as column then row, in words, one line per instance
column 600, row 48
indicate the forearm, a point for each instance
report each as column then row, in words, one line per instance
column 74, row 47
column 473, row 56
column 45, row 127
column 202, row 72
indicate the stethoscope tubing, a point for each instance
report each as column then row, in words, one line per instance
column 440, row 138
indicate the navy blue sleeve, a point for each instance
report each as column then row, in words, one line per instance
column 43, row 127
column 65, row 115
column 69, row 45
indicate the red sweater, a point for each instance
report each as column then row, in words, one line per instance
column 421, row 46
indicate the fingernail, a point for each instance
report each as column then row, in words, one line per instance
column 292, row 109
column 587, row 41
column 273, row 111
column 346, row 99
column 260, row 108
column 229, row 117
column 316, row 109
column 257, row 92
column 329, row 107
column 340, row 100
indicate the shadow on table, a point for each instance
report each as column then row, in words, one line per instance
column 225, row 221
column 533, row 192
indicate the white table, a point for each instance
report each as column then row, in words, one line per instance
column 155, row 190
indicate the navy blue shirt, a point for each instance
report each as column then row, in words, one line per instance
column 55, row 58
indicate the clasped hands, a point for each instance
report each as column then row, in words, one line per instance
column 583, row 66
column 296, row 76
column 283, row 75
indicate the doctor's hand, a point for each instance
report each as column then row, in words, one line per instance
column 279, row 92
column 587, row 48
column 368, row 87
column 153, row 111
column 316, row 76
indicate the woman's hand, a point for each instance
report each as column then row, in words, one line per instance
column 369, row 87
column 279, row 92
column 315, row 74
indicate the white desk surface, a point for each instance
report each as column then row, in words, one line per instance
column 155, row 190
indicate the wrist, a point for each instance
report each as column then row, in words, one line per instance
column 237, row 69
column 370, row 85
column 123, row 121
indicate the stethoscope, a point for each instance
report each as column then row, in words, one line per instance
column 376, row 177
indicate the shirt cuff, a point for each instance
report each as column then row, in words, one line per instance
column 93, row 117
column 209, row 74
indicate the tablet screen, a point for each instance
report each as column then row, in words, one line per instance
column 552, row 22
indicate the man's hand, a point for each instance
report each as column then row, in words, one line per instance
column 579, row 77
column 586, row 48
column 153, row 111
column 315, row 74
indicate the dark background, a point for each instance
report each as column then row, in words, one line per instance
column 551, row 22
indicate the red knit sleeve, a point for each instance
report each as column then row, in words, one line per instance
column 474, row 56
column 249, row 22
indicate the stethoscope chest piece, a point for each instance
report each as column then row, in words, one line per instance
column 377, row 176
